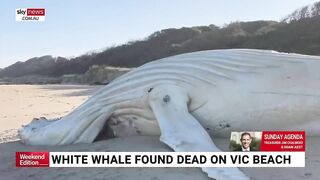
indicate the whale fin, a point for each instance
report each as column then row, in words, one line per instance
column 181, row 131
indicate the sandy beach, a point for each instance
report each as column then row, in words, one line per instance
column 21, row 103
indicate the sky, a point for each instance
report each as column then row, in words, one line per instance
column 75, row 27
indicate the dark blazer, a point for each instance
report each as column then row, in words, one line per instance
column 240, row 149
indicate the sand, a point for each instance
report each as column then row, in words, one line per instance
column 20, row 103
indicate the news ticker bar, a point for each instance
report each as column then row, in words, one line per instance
column 160, row 159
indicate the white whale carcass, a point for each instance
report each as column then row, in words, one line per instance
column 187, row 97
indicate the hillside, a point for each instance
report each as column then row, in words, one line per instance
column 309, row 11
column 45, row 65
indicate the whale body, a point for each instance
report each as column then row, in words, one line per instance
column 188, row 97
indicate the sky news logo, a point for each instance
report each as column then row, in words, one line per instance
column 30, row 14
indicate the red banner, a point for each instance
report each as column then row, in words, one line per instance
column 283, row 141
column 36, row 12
column 32, row 159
